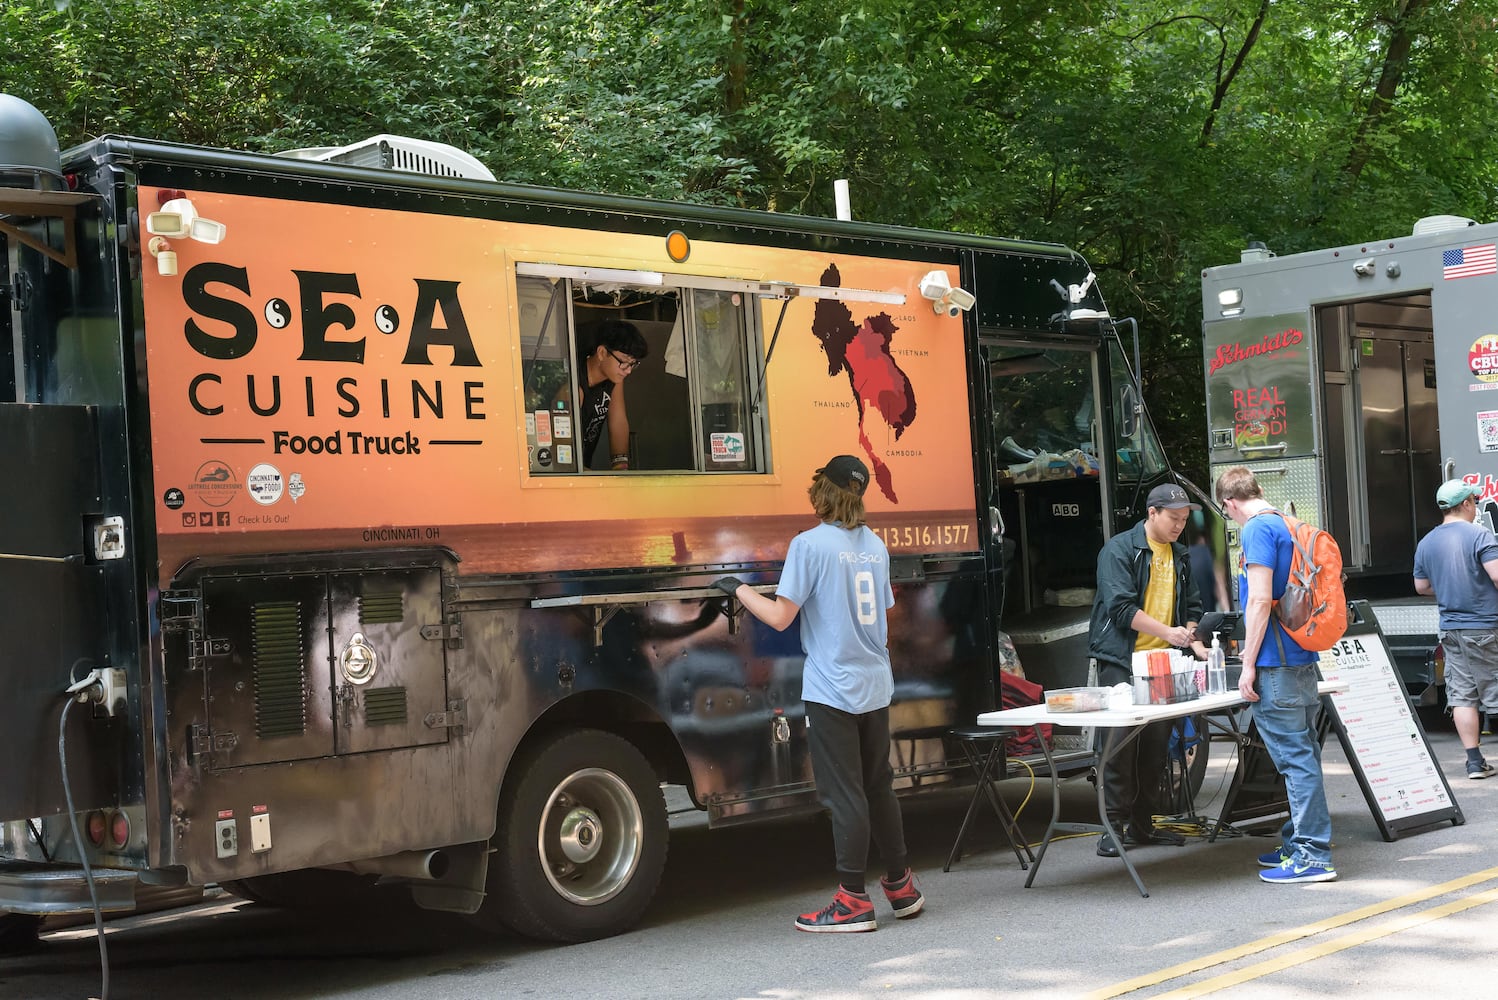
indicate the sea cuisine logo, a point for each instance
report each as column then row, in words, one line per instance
column 214, row 484
column 1228, row 354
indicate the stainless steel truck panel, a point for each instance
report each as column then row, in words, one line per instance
column 1378, row 361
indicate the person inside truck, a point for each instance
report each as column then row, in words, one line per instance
column 618, row 348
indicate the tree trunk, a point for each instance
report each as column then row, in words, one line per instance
column 1220, row 94
column 1396, row 56
column 735, row 74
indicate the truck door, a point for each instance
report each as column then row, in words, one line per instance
column 1048, row 494
column 391, row 683
column 269, row 693
column 1046, row 472
column 1074, row 456
column 1388, row 454
column 1135, row 463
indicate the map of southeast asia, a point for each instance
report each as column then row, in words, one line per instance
column 862, row 350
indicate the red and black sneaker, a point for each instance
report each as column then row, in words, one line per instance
column 848, row 911
column 903, row 895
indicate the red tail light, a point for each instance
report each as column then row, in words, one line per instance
column 119, row 829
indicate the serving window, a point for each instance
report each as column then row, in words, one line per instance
column 689, row 399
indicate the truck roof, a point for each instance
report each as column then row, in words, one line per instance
column 1269, row 262
column 127, row 149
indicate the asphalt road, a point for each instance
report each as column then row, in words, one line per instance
column 1408, row 918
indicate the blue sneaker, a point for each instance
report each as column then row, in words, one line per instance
column 1293, row 871
column 1274, row 858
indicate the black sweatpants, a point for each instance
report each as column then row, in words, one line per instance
column 1132, row 781
column 850, row 761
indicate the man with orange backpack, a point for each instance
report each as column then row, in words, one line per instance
column 1458, row 563
column 1279, row 681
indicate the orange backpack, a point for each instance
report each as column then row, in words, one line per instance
column 1313, row 608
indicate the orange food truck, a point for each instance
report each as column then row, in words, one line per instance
column 304, row 559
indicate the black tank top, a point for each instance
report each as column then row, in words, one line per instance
column 593, row 413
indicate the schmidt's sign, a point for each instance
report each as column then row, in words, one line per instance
column 1228, row 354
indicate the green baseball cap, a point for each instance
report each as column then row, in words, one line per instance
column 1454, row 493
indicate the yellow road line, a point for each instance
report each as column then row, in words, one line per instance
column 1342, row 943
column 1295, row 934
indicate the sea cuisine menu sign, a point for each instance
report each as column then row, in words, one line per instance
column 1382, row 736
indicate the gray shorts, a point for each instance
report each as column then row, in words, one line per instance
column 1471, row 667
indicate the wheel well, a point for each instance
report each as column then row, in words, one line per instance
column 623, row 716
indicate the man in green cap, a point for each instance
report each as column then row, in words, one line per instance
column 1458, row 563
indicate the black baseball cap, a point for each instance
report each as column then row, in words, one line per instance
column 847, row 472
column 1169, row 496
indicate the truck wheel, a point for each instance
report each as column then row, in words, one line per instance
column 581, row 841
column 312, row 888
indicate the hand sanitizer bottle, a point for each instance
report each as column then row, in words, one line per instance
column 1217, row 668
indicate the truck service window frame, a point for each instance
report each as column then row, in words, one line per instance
column 691, row 401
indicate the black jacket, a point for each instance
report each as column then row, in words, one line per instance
column 1123, row 573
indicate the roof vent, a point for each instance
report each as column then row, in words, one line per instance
column 1440, row 224
column 398, row 152
column 29, row 157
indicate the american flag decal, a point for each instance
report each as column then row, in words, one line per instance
column 1469, row 261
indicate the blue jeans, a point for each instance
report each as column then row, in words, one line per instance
column 1286, row 716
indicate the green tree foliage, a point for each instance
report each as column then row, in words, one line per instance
column 1153, row 139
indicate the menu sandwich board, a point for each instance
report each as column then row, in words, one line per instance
column 1381, row 734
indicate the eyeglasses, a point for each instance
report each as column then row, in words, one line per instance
column 625, row 364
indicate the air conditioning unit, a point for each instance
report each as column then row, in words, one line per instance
column 399, row 152
column 1440, row 224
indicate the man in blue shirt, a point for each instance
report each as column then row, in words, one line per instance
column 836, row 577
column 1279, row 682
column 1458, row 563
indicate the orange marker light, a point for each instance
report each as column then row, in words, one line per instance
column 678, row 247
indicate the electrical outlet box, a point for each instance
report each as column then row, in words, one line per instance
column 260, row 832
column 226, row 838
column 112, row 696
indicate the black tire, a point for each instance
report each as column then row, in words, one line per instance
column 311, row 889
column 581, row 841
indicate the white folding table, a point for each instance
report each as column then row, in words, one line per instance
column 1134, row 719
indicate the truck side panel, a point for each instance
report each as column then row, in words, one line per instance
column 289, row 376
column 52, row 609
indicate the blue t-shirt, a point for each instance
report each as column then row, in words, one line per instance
column 1451, row 558
column 1267, row 542
column 840, row 579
